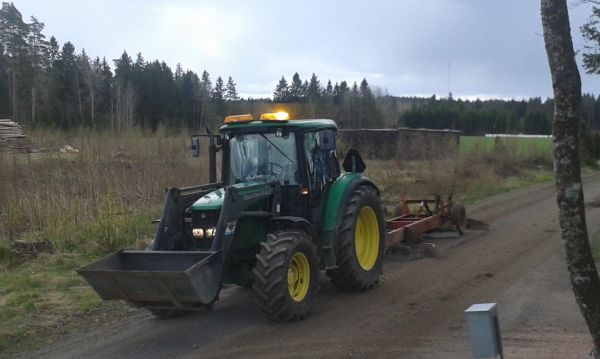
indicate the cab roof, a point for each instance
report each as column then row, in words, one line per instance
column 293, row 125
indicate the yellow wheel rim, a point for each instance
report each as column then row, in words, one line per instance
column 366, row 238
column 298, row 276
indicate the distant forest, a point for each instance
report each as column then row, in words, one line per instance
column 44, row 84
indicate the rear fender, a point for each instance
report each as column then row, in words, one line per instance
column 338, row 197
column 337, row 200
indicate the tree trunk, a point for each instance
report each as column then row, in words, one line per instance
column 33, row 100
column 10, row 96
column 566, row 84
column 79, row 100
column 92, row 88
column 15, row 111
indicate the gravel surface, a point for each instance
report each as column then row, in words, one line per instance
column 416, row 311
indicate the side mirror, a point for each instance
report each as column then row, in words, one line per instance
column 353, row 162
column 195, row 147
column 327, row 140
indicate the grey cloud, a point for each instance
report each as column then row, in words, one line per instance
column 495, row 47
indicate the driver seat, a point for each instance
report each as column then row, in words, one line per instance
column 288, row 173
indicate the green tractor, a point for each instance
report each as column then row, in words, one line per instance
column 281, row 213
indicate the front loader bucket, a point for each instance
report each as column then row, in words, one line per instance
column 157, row 278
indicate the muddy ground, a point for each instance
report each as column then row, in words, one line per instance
column 416, row 311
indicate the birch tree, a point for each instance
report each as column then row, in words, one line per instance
column 566, row 84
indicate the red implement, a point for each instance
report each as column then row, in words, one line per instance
column 418, row 217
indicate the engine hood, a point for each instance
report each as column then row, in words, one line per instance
column 214, row 200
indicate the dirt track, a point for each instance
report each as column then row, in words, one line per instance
column 416, row 312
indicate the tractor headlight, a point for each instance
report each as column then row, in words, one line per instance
column 209, row 233
column 204, row 233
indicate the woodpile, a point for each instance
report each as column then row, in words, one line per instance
column 12, row 137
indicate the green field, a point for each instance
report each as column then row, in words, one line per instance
column 521, row 147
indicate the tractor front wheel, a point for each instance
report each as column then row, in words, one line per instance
column 286, row 275
column 361, row 242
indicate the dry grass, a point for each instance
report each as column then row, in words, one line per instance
column 85, row 204
column 470, row 176
column 90, row 203
column 102, row 192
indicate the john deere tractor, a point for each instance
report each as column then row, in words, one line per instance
column 280, row 212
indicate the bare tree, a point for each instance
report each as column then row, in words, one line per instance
column 566, row 84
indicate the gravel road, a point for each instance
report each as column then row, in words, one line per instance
column 416, row 311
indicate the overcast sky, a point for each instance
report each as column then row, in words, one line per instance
column 474, row 48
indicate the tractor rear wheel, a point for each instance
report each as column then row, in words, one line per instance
column 286, row 275
column 361, row 242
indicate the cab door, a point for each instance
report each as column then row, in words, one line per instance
column 322, row 169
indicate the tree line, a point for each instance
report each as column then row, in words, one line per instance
column 44, row 84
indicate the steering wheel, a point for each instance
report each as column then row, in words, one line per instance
column 272, row 166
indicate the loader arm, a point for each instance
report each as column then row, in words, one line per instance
column 179, row 279
column 169, row 233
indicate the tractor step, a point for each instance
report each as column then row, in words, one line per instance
column 150, row 279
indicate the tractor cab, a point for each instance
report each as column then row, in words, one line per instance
column 300, row 155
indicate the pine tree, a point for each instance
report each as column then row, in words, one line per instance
column 190, row 98
column 282, row 92
column 296, row 89
column 369, row 115
column 54, row 50
column 313, row 91
column 591, row 34
column 206, row 83
column 354, row 92
column 140, row 63
column 336, row 93
column 39, row 51
column 67, row 86
column 231, row 94
column 178, row 72
column 304, row 93
column 342, row 99
column 105, row 98
column 329, row 89
column 123, row 67
column 205, row 95
column 13, row 35
column 85, row 88
column 124, row 93
column 314, row 88
column 219, row 92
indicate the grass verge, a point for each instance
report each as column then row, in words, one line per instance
column 45, row 298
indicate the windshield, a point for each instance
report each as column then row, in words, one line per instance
column 263, row 157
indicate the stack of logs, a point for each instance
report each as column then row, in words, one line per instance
column 12, row 137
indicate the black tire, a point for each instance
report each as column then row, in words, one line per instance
column 458, row 217
column 271, row 275
column 349, row 274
